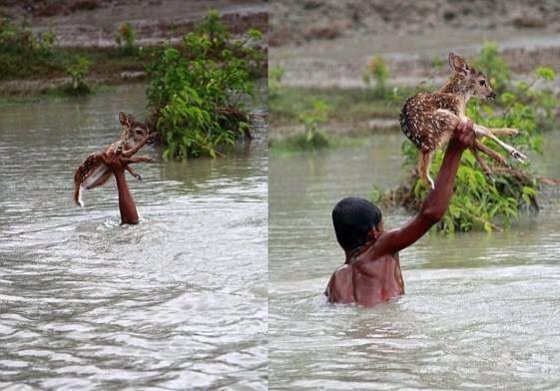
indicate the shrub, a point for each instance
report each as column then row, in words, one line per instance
column 77, row 71
column 313, row 138
column 124, row 37
column 477, row 203
column 377, row 72
column 274, row 80
column 194, row 90
column 21, row 51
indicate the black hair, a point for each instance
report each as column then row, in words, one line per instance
column 353, row 218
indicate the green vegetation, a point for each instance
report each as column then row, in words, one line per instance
column 377, row 73
column 124, row 38
column 312, row 137
column 23, row 53
column 346, row 105
column 479, row 204
column 274, row 79
column 77, row 71
column 195, row 90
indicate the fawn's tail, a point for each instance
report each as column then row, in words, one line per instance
column 77, row 196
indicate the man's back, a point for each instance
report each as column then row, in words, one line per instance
column 367, row 280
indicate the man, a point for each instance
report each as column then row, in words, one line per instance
column 372, row 272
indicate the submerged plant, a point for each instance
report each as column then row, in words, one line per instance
column 195, row 90
column 478, row 204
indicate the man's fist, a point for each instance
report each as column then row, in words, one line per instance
column 464, row 134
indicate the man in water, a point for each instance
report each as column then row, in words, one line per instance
column 372, row 273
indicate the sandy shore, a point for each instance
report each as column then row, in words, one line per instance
column 409, row 35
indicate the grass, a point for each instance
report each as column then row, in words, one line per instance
column 345, row 105
column 297, row 143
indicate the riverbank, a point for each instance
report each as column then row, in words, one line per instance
column 89, row 33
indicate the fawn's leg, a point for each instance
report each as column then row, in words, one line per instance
column 503, row 131
column 498, row 131
column 423, row 168
column 133, row 173
column 139, row 159
column 483, row 165
column 491, row 153
column 482, row 131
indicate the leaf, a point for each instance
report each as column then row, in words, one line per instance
column 545, row 73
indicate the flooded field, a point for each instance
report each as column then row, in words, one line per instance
column 480, row 311
column 88, row 304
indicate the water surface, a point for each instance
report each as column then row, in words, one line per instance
column 480, row 311
column 179, row 300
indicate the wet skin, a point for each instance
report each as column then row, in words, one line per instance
column 118, row 161
column 372, row 273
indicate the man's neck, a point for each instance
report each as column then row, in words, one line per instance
column 352, row 255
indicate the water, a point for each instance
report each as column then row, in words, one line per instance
column 480, row 311
column 178, row 301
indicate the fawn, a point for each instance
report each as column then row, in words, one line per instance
column 429, row 118
column 93, row 172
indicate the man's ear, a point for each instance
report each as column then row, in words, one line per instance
column 123, row 119
column 458, row 64
column 374, row 233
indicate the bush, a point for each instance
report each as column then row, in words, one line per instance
column 21, row 51
column 313, row 138
column 124, row 37
column 377, row 72
column 477, row 203
column 194, row 90
column 77, row 71
column 274, row 81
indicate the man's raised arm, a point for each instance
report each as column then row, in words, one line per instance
column 437, row 200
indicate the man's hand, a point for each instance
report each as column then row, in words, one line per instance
column 114, row 160
column 464, row 134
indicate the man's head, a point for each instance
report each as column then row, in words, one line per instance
column 356, row 221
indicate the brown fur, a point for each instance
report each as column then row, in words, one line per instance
column 428, row 119
column 133, row 133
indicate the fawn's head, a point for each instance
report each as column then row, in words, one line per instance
column 134, row 132
column 468, row 81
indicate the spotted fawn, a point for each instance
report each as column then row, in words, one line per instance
column 93, row 172
column 428, row 119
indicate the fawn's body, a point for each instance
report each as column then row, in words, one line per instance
column 429, row 118
column 93, row 171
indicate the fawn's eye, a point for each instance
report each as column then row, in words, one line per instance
column 482, row 82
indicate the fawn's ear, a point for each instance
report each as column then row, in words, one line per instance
column 458, row 64
column 123, row 118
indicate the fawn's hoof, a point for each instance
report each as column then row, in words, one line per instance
column 518, row 156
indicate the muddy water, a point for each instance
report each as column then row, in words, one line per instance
column 179, row 300
column 479, row 311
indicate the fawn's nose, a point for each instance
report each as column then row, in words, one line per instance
column 492, row 95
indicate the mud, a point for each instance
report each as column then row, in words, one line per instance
column 328, row 43
column 298, row 21
column 410, row 58
column 93, row 23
